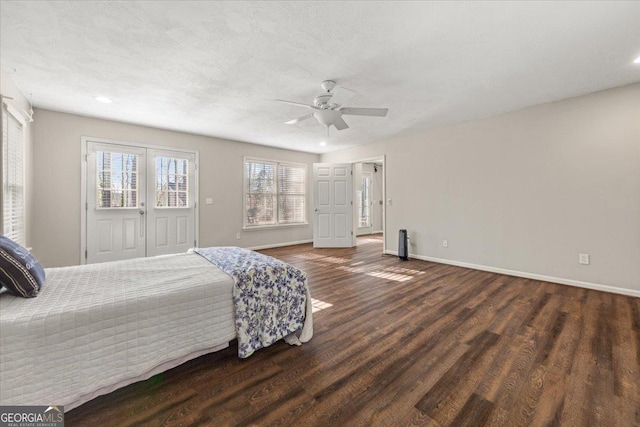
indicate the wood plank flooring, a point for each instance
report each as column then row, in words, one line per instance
column 410, row 343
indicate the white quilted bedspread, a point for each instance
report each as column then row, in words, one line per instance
column 93, row 326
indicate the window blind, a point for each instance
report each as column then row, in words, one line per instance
column 291, row 194
column 274, row 193
column 12, row 177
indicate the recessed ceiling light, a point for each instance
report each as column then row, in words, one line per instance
column 637, row 60
column 323, row 143
column 103, row 99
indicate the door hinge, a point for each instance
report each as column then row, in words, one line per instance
column 351, row 203
column 351, row 172
column 86, row 206
column 86, row 254
column 86, row 158
column 195, row 205
column 352, row 232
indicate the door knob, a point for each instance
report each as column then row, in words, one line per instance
column 315, row 210
column 141, row 212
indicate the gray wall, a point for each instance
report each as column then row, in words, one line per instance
column 57, row 180
column 525, row 191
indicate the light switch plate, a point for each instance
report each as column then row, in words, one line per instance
column 208, row 201
column 584, row 259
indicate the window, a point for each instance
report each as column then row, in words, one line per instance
column 117, row 180
column 13, row 197
column 275, row 193
column 172, row 179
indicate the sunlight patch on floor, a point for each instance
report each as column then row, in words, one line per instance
column 359, row 268
column 390, row 276
column 319, row 305
column 404, row 270
column 365, row 241
column 375, row 270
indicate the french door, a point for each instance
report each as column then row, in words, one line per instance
column 139, row 201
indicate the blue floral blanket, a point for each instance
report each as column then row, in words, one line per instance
column 269, row 295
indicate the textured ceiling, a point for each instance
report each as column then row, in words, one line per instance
column 214, row 68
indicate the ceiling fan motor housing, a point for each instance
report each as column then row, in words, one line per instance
column 322, row 101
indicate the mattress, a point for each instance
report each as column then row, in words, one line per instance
column 97, row 327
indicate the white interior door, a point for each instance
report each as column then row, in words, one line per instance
column 140, row 201
column 170, row 216
column 115, row 202
column 333, row 207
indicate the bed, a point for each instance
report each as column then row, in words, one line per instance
column 95, row 328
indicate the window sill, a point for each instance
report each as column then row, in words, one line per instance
column 273, row 227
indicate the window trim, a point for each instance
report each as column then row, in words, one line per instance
column 277, row 225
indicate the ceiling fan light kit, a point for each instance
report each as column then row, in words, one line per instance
column 328, row 107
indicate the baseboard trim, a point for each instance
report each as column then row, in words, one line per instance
column 561, row 281
column 279, row 245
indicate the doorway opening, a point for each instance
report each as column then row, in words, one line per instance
column 369, row 198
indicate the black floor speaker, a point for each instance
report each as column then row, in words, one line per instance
column 403, row 247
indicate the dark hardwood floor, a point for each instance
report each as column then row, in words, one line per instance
column 411, row 343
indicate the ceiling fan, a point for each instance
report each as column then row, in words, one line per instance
column 328, row 108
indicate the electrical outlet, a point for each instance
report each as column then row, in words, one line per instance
column 238, row 236
column 208, row 201
column 583, row 259
column 445, row 243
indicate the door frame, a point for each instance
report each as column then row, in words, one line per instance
column 84, row 142
column 384, row 197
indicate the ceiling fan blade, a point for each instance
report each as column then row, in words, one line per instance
column 340, row 124
column 296, row 103
column 374, row 112
column 299, row 119
column 341, row 95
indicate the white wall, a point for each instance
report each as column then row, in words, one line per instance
column 21, row 103
column 56, row 215
column 525, row 191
